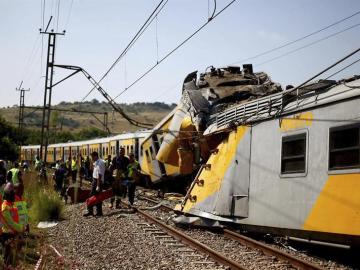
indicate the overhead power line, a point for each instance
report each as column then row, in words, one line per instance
column 296, row 40
column 309, row 44
column 69, row 14
column 174, row 50
column 131, row 43
column 337, row 72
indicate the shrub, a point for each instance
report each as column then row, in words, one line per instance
column 45, row 206
column 44, row 203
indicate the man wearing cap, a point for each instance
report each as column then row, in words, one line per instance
column 97, row 183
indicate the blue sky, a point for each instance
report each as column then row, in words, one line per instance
column 98, row 31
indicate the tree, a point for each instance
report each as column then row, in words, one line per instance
column 9, row 138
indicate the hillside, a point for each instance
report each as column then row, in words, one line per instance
column 75, row 122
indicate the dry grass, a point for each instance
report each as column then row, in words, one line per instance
column 43, row 204
column 116, row 123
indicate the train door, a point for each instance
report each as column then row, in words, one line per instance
column 233, row 197
column 157, row 147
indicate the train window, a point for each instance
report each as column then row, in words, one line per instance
column 141, row 150
column 132, row 149
column 147, row 156
column 293, row 154
column 127, row 149
column 344, row 148
column 152, row 153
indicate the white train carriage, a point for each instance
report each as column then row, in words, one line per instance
column 291, row 167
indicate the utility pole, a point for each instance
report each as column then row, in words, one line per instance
column 48, row 89
column 21, row 108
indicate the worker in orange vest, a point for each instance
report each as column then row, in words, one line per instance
column 11, row 228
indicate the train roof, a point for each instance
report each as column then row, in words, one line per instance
column 307, row 97
column 30, row 146
column 124, row 136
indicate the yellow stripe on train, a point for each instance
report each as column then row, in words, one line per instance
column 336, row 210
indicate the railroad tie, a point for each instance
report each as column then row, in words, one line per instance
column 175, row 245
column 163, row 237
column 203, row 262
column 143, row 224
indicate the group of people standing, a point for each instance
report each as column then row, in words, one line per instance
column 121, row 173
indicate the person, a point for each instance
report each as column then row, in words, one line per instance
column 25, row 165
column 60, row 175
column 74, row 169
column 68, row 165
column 38, row 163
column 119, row 163
column 97, row 183
column 87, row 168
column 15, row 172
column 11, row 227
column 15, row 177
column 57, row 165
column 81, row 170
column 2, row 173
column 133, row 175
column 108, row 162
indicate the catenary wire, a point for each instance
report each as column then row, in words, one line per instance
column 307, row 81
column 133, row 40
column 69, row 14
column 58, row 16
column 309, row 44
column 172, row 51
column 296, row 40
column 337, row 72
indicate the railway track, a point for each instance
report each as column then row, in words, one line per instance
column 181, row 242
column 283, row 259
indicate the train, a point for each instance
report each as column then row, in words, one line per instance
column 253, row 155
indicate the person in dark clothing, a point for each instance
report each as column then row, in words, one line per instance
column 60, row 175
column 87, row 168
column 81, row 170
column 119, row 163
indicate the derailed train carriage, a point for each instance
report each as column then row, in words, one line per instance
column 268, row 160
column 282, row 162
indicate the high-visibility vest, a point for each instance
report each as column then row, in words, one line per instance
column 15, row 175
column 21, row 206
column 10, row 218
column 37, row 163
column 73, row 165
column 132, row 167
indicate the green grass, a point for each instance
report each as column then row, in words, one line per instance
column 44, row 203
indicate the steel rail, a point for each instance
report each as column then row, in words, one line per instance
column 294, row 261
column 191, row 242
column 164, row 207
